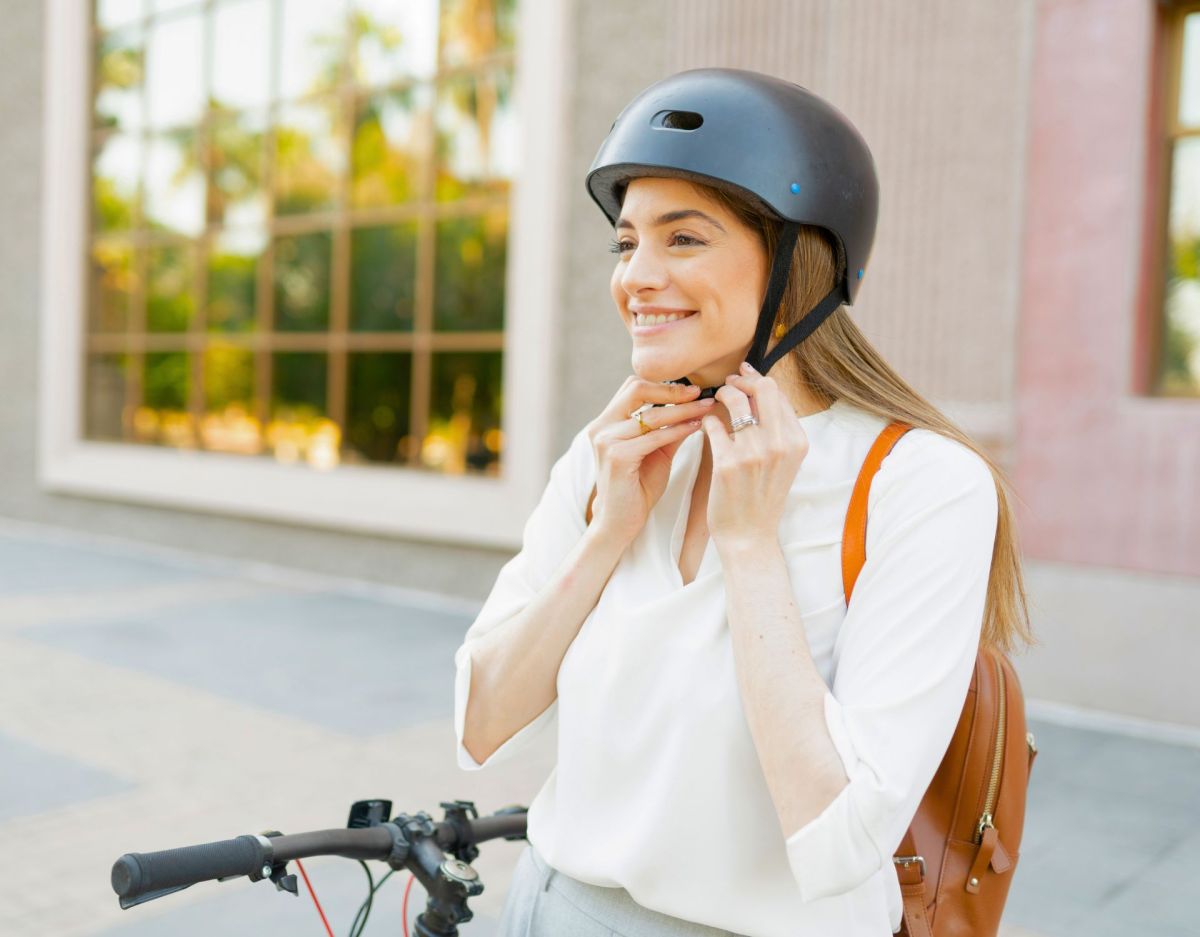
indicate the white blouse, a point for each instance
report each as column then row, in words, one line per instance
column 658, row 786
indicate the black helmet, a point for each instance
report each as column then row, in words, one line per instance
column 773, row 143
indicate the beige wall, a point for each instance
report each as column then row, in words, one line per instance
column 938, row 89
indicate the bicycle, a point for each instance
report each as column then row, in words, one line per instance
column 413, row 842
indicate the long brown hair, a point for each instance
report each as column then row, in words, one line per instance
column 837, row 362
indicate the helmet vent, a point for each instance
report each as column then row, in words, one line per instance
column 677, row 120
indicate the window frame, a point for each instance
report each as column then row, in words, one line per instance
column 1164, row 131
column 417, row 503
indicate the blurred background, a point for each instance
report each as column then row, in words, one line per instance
column 302, row 298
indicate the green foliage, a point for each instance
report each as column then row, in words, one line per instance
column 470, row 259
column 170, row 302
column 113, row 209
column 228, row 377
column 302, row 282
column 383, row 271
column 298, row 383
column 377, row 416
column 232, row 281
column 165, row 380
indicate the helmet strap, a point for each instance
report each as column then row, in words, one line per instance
column 804, row 328
column 781, row 266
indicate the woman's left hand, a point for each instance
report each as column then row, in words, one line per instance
column 753, row 470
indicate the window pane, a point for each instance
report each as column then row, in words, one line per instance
column 163, row 417
column 464, row 421
column 394, row 40
column 174, row 184
column 119, row 63
column 302, row 282
column 116, row 167
column 228, row 377
column 241, row 75
column 313, row 46
column 236, row 156
column 229, row 424
column 170, row 293
column 475, row 29
column 106, row 397
column 175, row 71
column 377, row 412
column 308, row 157
column 476, row 136
column 299, row 428
column 110, row 13
column 383, row 271
column 1189, row 73
column 469, row 278
column 298, row 385
column 1181, row 332
column 233, row 280
column 387, row 138
column 113, row 279
column 166, row 6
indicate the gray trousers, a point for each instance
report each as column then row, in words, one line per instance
column 542, row 902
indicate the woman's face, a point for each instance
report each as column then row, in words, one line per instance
column 682, row 254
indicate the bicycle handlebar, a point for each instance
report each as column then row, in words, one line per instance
column 137, row 875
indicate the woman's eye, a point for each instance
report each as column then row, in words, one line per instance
column 677, row 240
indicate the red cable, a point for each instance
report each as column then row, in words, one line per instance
column 404, row 907
column 320, row 911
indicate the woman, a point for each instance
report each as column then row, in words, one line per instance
column 739, row 751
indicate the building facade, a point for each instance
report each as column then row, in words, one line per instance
column 329, row 395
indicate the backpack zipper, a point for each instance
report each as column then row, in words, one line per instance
column 989, row 804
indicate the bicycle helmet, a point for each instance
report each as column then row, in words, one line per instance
column 773, row 143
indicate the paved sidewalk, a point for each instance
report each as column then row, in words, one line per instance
column 150, row 699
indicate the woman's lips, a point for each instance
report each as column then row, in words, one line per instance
column 659, row 326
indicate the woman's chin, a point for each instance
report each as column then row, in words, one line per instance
column 658, row 369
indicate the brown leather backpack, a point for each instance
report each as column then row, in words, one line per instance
column 955, row 863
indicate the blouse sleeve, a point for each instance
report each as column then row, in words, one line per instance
column 552, row 530
column 904, row 655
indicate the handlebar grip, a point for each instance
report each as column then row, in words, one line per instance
column 136, row 873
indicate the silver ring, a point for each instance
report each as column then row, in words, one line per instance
column 742, row 422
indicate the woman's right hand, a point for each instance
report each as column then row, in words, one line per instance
column 632, row 467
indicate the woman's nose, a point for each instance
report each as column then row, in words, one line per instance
column 643, row 270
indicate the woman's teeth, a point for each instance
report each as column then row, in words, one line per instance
column 659, row 320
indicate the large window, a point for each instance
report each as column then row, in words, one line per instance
column 298, row 228
column 1178, row 371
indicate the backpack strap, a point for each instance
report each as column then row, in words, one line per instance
column 909, row 866
column 854, row 537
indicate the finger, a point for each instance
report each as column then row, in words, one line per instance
column 718, row 438
column 752, row 383
column 634, row 449
column 638, row 391
column 736, row 401
column 658, row 417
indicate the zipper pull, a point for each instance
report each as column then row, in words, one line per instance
column 985, row 822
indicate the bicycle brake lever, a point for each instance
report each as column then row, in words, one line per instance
column 127, row 903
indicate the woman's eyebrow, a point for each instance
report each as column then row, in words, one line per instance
column 678, row 215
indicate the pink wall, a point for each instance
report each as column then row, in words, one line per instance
column 1106, row 475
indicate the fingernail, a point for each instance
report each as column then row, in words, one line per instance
column 746, row 366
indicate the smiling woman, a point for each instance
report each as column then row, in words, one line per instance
column 688, row 281
column 679, row 606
